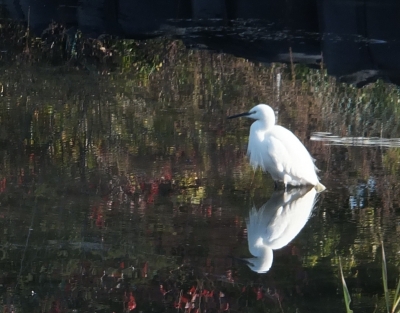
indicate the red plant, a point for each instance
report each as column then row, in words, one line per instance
column 145, row 269
column 3, row 185
column 207, row 293
column 259, row 293
column 131, row 302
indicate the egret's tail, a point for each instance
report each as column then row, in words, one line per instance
column 319, row 187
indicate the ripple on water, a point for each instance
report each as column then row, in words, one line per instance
column 331, row 139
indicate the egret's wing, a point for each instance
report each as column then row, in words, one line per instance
column 259, row 222
column 277, row 149
column 274, row 217
column 290, row 154
column 267, row 152
column 294, row 216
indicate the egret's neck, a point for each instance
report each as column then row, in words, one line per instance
column 260, row 248
column 258, row 129
column 263, row 125
column 263, row 259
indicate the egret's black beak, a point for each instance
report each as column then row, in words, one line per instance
column 239, row 115
column 247, row 262
column 243, row 261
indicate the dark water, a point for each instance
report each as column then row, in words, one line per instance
column 129, row 188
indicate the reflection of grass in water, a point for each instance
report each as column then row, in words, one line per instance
column 391, row 160
column 396, row 297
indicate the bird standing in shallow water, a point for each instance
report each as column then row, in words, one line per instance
column 278, row 151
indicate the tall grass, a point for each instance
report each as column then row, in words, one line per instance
column 396, row 298
column 346, row 293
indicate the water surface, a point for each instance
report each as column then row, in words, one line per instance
column 127, row 186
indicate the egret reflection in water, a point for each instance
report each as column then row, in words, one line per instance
column 276, row 223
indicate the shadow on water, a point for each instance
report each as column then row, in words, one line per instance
column 123, row 186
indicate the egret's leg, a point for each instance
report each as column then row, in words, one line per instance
column 252, row 180
column 286, row 179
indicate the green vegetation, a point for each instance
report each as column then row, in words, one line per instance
column 346, row 293
column 387, row 293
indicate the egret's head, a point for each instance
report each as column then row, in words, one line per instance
column 262, row 112
column 259, row 265
column 264, row 255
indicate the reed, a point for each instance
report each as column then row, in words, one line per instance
column 396, row 298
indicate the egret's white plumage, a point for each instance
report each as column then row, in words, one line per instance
column 276, row 223
column 278, row 151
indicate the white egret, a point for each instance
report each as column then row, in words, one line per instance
column 278, row 151
column 276, row 224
